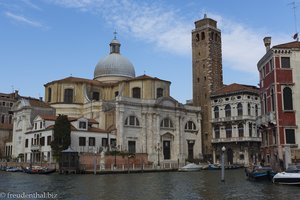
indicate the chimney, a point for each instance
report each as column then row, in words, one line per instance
column 41, row 98
column 267, row 42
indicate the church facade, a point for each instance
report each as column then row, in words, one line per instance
column 139, row 110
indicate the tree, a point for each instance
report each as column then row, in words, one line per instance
column 62, row 136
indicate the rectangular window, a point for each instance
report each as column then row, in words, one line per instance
column 81, row 141
column 41, row 125
column 285, row 62
column 290, row 136
column 42, row 141
column 92, row 141
column 104, row 142
column 68, row 96
column 49, row 140
column 131, row 146
column 271, row 64
column 82, row 125
column 35, row 126
column 26, row 143
column 113, row 142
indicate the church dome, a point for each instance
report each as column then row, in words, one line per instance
column 114, row 67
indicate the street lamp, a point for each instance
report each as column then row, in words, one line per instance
column 95, row 162
column 222, row 164
column 115, row 164
column 158, row 149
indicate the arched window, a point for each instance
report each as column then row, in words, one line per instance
column 250, row 129
column 217, row 131
column 256, row 110
column 49, row 94
column 227, row 110
column 287, row 99
column 10, row 119
column 190, row 126
column 272, row 100
column 166, row 123
column 2, row 119
column 241, row 130
column 68, row 96
column 132, row 121
column 240, row 109
column 159, row 92
column 265, row 103
column 202, row 36
column 249, row 109
column 136, row 92
column 228, row 129
column 197, row 37
column 216, row 111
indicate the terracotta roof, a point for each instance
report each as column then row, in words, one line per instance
column 48, row 117
column 145, row 77
column 235, row 88
column 6, row 126
column 38, row 103
column 289, row 45
column 71, row 79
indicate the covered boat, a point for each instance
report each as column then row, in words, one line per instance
column 259, row 172
column 38, row 170
column 291, row 176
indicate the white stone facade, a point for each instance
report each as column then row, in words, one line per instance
column 162, row 128
column 234, row 115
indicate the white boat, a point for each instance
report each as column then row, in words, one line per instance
column 191, row 167
column 291, row 176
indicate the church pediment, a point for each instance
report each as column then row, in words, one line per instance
column 167, row 102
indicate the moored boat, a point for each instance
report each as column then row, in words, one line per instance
column 14, row 169
column 38, row 170
column 259, row 172
column 290, row 177
column 191, row 167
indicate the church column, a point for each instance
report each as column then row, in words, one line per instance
column 145, row 126
column 120, row 128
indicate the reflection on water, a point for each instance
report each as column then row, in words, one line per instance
column 150, row 186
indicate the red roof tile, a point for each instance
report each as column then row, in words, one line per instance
column 289, row 45
column 235, row 88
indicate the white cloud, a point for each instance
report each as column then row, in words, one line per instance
column 31, row 5
column 164, row 27
column 24, row 20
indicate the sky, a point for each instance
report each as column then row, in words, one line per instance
column 46, row 40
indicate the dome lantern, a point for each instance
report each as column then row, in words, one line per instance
column 114, row 67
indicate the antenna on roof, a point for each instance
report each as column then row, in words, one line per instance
column 295, row 36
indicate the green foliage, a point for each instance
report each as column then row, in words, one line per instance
column 62, row 136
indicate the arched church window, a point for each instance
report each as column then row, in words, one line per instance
column 166, row 123
column 202, row 36
column 159, row 92
column 96, row 96
column 287, row 99
column 197, row 37
column 49, row 94
column 132, row 121
column 190, row 126
column 68, row 96
column 136, row 92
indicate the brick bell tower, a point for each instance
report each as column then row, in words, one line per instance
column 207, row 73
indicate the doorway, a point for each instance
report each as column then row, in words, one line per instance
column 167, row 150
column 230, row 156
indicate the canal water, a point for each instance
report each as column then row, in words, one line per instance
column 148, row 186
